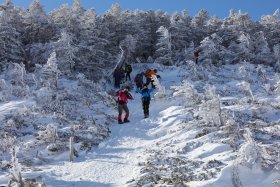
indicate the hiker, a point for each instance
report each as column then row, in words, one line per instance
column 196, row 55
column 149, row 77
column 128, row 70
column 139, row 80
column 118, row 76
column 123, row 96
column 146, row 98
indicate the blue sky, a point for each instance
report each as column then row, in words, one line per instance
column 220, row 8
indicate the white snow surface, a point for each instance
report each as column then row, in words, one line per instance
column 118, row 159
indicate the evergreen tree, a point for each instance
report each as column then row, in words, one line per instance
column 163, row 53
column 38, row 28
column 65, row 53
column 11, row 47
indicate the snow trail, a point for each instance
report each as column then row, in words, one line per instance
column 115, row 161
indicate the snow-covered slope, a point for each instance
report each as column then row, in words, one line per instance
column 208, row 130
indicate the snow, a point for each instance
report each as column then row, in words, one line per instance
column 167, row 133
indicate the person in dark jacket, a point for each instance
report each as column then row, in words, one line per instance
column 128, row 70
column 118, row 76
column 139, row 80
column 146, row 98
column 196, row 55
column 123, row 96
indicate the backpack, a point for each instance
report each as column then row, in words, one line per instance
column 138, row 78
column 128, row 68
column 147, row 72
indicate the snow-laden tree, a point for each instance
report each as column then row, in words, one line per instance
column 50, row 72
column 212, row 50
column 179, row 31
column 93, row 54
column 113, row 20
column 199, row 29
column 200, row 19
column 16, row 176
column 10, row 44
column 211, row 109
column 62, row 18
column 129, row 46
column 271, row 28
column 243, row 21
column 276, row 53
column 163, row 53
column 214, row 23
column 246, row 86
column 49, row 135
column 146, row 35
column 38, row 28
column 262, row 51
column 65, row 53
column 245, row 46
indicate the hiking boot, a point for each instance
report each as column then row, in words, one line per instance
column 120, row 121
column 126, row 120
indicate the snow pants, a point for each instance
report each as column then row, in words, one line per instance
column 122, row 107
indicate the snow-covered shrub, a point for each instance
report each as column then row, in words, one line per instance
column 261, row 74
column 7, row 141
column 5, row 90
column 244, row 72
column 189, row 92
column 48, row 101
column 246, row 86
column 210, row 109
column 84, row 82
column 56, row 147
column 48, row 135
column 232, row 131
column 21, row 91
column 16, row 74
column 249, row 153
column 267, row 88
column 276, row 87
column 16, row 176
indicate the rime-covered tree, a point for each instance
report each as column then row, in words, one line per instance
column 212, row 49
column 50, row 72
column 65, row 53
column 262, row 51
column 11, row 47
column 129, row 46
column 92, row 48
column 199, row 22
column 38, row 28
column 244, row 48
column 271, row 28
column 163, row 53
column 178, row 31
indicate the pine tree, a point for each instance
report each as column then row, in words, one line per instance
column 163, row 53
column 65, row 53
column 38, row 28
column 11, row 47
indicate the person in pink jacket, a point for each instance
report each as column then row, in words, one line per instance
column 123, row 96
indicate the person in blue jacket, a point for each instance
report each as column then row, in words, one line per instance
column 146, row 98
